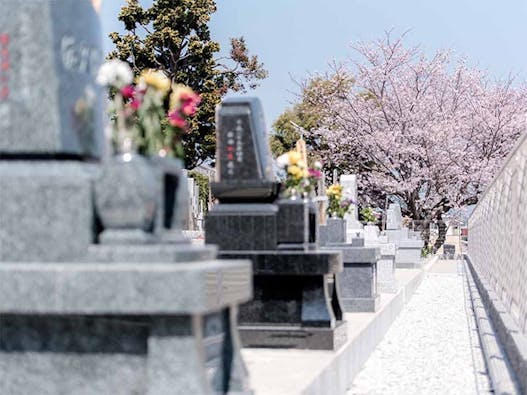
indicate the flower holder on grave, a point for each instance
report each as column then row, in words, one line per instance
column 296, row 298
column 95, row 297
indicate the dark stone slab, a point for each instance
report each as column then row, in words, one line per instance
column 50, row 104
column 333, row 232
column 297, row 224
column 242, row 226
column 294, row 337
column 243, row 162
column 121, row 354
column 290, row 263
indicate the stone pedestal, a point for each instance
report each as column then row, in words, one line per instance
column 409, row 254
column 358, row 281
column 122, row 328
column 296, row 302
column 386, row 281
column 333, row 232
column 45, row 210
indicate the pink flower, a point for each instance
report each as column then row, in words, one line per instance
column 315, row 173
column 128, row 91
column 177, row 120
column 135, row 103
column 189, row 103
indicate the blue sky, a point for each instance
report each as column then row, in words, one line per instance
column 296, row 37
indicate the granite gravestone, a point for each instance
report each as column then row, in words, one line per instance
column 49, row 112
column 243, row 160
column 386, row 281
column 293, row 305
column 408, row 253
column 49, row 102
column 98, row 318
column 349, row 185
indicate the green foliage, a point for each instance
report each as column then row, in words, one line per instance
column 203, row 184
column 427, row 250
column 173, row 36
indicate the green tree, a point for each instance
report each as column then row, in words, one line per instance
column 173, row 36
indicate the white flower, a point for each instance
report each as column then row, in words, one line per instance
column 283, row 160
column 115, row 73
column 318, row 165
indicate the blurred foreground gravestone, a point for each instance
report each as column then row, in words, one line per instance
column 292, row 306
column 86, row 304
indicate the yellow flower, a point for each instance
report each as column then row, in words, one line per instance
column 335, row 190
column 301, row 164
column 295, row 171
column 294, row 157
column 156, row 79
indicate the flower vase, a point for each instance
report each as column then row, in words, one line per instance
column 125, row 196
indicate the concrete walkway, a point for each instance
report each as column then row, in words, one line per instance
column 433, row 346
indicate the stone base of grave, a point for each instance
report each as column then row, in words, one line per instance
column 45, row 210
column 333, row 232
column 297, row 224
column 358, row 280
column 294, row 337
column 242, row 226
column 127, row 328
column 296, row 300
column 242, row 191
column 408, row 254
column 361, row 305
column 386, row 281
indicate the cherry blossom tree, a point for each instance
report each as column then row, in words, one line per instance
column 428, row 131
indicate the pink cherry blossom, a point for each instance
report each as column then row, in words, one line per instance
column 430, row 131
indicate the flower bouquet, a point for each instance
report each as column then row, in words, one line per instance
column 299, row 179
column 137, row 108
column 338, row 204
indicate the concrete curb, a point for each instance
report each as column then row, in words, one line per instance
column 500, row 337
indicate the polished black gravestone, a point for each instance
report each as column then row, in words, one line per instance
column 244, row 167
column 296, row 302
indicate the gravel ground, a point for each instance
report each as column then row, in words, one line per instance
column 432, row 347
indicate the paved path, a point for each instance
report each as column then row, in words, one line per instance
column 433, row 346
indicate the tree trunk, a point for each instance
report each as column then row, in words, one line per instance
column 441, row 235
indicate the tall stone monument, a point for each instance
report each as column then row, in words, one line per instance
column 295, row 305
column 83, row 309
column 353, row 226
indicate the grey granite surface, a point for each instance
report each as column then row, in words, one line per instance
column 153, row 288
column 46, row 210
column 53, row 106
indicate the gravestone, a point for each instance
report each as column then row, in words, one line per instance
column 353, row 226
column 243, row 161
column 408, row 253
column 80, row 314
column 386, row 281
column 292, row 306
column 50, row 105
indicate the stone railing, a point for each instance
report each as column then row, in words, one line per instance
column 497, row 244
